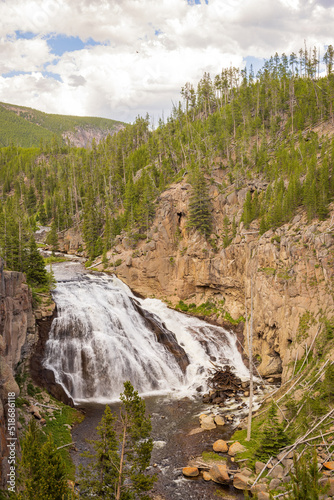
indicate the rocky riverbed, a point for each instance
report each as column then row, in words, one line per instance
column 178, row 439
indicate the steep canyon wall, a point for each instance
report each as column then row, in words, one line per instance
column 17, row 331
column 291, row 270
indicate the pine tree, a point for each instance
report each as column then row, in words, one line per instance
column 42, row 472
column 304, row 479
column 99, row 478
column 52, row 237
column 121, row 453
column 273, row 436
column 200, row 204
column 42, row 217
column 35, row 268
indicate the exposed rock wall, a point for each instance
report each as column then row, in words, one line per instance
column 83, row 137
column 17, row 328
column 291, row 270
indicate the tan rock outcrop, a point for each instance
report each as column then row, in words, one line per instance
column 291, row 269
column 17, row 324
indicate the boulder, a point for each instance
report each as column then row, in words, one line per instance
column 278, row 472
column 236, row 448
column 259, row 487
column 263, row 495
column 324, row 481
column 206, row 476
column 275, row 483
column 219, row 474
column 220, row 446
column 190, row 471
column 259, row 467
column 219, row 420
column 35, row 411
column 241, row 482
column 207, row 422
column 246, row 472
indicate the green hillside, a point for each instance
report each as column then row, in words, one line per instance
column 262, row 128
column 26, row 127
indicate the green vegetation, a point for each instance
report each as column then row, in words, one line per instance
column 28, row 127
column 305, row 479
column 42, row 472
column 205, row 309
column 272, row 438
column 199, row 204
column 209, row 308
column 311, row 400
column 305, row 321
column 53, row 259
column 121, row 454
column 256, row 128
column 209, row 456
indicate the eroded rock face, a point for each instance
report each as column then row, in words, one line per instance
column 71, row 241
column 17, row 324
column 82, row 137
column 291, row 271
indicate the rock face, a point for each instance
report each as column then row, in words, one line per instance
column 291, row 270
column 163, row 335
column 17, row 328
column 82, row 137
column 71, row 241
column 41, row 375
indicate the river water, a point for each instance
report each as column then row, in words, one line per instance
column 99, row 340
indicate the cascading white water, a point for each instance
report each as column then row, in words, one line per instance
column 99, row 340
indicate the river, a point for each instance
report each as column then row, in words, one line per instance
column 101, row 337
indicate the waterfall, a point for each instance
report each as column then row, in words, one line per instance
column 99, row 339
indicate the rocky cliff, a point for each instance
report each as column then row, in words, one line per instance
column 83, row 137
column 290, row 269
column 17, row 331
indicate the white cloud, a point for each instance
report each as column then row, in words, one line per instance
column 136, row 70
column 23, row 55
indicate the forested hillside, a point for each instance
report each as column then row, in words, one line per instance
column 28, row 127
column 259, row 127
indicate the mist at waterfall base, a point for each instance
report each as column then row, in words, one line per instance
column 99, row 340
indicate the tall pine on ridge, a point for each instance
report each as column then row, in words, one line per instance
column 200, row 216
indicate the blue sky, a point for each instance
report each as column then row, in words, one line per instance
column 123, row 58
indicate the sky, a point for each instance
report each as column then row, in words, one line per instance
column 123, row 58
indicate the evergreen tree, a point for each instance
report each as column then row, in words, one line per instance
column 42, row 472
column 42, row 217
column 121, row 453
column 52, row 237
column 199, row 204
column 305, row 479
column 35, row 268
column 273, row 436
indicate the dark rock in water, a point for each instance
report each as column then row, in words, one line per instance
column 43, row 376
column 199, row 389
column 163, row 335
